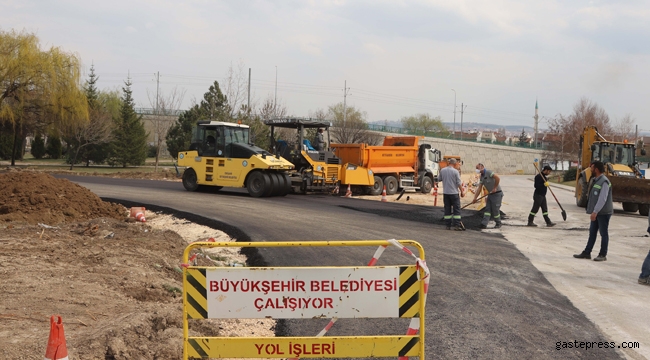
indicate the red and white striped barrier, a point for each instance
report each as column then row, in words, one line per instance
column 414, row 325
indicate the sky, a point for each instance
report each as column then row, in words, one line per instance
column 397, row 58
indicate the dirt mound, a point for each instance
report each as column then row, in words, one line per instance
column 116, row 285
column 35, row 197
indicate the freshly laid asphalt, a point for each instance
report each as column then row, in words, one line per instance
column 486, row 299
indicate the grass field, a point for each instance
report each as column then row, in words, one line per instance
column 59, row 165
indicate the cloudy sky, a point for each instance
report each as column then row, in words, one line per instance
column 399, row 58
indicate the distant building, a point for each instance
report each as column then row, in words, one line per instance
column 486, row 137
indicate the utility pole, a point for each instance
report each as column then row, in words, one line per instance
column 536, row 122
column 275, row 102
column 454, row 112
column 248, row 106
column 462, row 109
column 157, row 89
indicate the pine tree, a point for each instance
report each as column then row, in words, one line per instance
column 179, row 135
column 523, row 138
column 54, row 148
column 38, row 147
column 129, row 145
column 92, row 94
column 214, row 106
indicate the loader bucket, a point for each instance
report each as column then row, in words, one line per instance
column 630, row 190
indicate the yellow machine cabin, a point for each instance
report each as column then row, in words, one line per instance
column 315, row 170
column 220, row 155
column 628, row 185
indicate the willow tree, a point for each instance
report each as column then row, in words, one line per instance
column 39, row 89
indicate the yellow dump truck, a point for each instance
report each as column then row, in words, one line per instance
column 628, row 185
column 220, row 155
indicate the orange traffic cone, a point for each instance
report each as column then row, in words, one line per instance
column 348, row 194
column 56, row 347
column 138, row 214
column 383, row 195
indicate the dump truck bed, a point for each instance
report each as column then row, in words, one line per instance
column 382, row 159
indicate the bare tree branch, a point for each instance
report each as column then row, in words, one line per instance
column 165, row 109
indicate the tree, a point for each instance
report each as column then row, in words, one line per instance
column 623, row 128
column 6, row 141
column 38, row 147
column 236, row 90
column 352, row 129
column 54, row 149
column 164, row 106
column 214, row 106
column 523, row 137
column 423, row 124
column 129, row 145
column 179, row 136
column 81, row 137
column 585, row 113
column 38, row 89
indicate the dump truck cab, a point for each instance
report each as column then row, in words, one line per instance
column 628, row 185
column 220, row 155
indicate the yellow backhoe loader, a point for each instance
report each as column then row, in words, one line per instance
column 628, row 185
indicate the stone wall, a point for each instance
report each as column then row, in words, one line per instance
column 499, row 158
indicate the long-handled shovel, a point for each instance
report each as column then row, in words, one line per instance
column 549, row 187
column 473, row 202
column 479, row 198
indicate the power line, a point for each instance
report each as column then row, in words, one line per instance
column 324, row 90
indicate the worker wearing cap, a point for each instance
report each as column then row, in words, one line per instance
column 490, row 180
column 539, row 198
column 451, row 187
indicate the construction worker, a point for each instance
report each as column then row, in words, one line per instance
column 319, row 141
column 601, row 208
column 490, row 180
column 451, row 187
column 539, row 198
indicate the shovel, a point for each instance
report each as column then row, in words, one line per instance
column 479, row 198
column 554, row 197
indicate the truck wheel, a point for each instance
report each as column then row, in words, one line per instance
column 378, row 187
column 631, row 207
column 190, row 180
column 427, row 185
column 644, row 209
column 581, row 192
column 257, row 184
column 391, row 185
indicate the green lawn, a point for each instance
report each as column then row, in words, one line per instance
column 60, row 165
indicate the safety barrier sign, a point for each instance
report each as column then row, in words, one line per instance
column 307, row 292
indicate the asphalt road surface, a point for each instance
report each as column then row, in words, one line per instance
column 486, row 300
